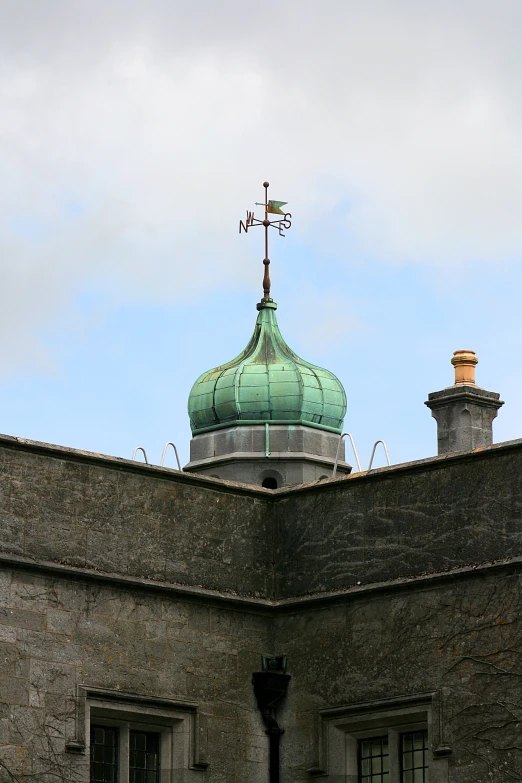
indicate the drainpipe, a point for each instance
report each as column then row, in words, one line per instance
column 270, row 688
column 267, row 441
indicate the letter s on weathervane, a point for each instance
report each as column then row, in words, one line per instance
column 284, row 223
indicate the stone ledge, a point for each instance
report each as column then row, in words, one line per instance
column 423, row 581
column 464, row 391
column 275, row 456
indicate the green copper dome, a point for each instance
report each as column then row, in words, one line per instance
column 267, row 383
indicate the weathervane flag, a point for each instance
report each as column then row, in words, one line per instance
column 275, row 207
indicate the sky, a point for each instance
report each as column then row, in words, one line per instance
column 135, row 135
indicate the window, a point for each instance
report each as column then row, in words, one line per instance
column 414, row 760
column 131, row 738
column 396, row 740
column 124, row 754
column 144, row 760
column 104, row 754
column 374, row 758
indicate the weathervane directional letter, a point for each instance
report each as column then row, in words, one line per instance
column 248, row 222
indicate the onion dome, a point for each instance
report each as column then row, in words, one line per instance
column 267, row 383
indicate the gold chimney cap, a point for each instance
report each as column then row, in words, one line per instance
column 464, row 363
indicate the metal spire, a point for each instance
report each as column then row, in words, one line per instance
column 274, row 208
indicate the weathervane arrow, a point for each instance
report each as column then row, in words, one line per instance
column 272, row 208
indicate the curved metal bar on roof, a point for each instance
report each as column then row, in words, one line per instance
column 339, row 450
column 373, row 453
column 140, row 448
column 170, row 443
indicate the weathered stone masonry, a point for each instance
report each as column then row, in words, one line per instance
column 139, row 580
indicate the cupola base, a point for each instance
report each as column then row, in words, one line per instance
column 279, row 455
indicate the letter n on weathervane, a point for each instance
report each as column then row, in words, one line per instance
column 248, row 222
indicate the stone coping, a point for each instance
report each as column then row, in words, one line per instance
column 120, row 463
column 224, row 485
column 415, row 466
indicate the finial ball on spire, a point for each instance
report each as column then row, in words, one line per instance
column 266, row 184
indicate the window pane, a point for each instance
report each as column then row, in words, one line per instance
column 144, row 757
column 377, row 764
column 104, row 754
column 414, row 759
column 407, row 760
column 418, row 740
column 373, row 760
column 152, row 761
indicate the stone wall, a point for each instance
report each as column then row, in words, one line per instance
column 140, row 581
column 56, row 634
column 396, row 522
column 460, row 640
column 112, row 515
column 64, row 506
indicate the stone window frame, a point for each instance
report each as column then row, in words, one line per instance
column 390, row 725
column 178, row 723
column 341, row 728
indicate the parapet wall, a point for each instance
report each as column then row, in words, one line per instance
column 108, row 515
column 63, row 506
column 432, row 515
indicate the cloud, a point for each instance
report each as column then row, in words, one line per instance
column 135, row 134
column 317, row 326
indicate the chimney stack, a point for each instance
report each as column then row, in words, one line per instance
column 464, row 412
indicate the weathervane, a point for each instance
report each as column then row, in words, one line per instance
column 273, row 208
